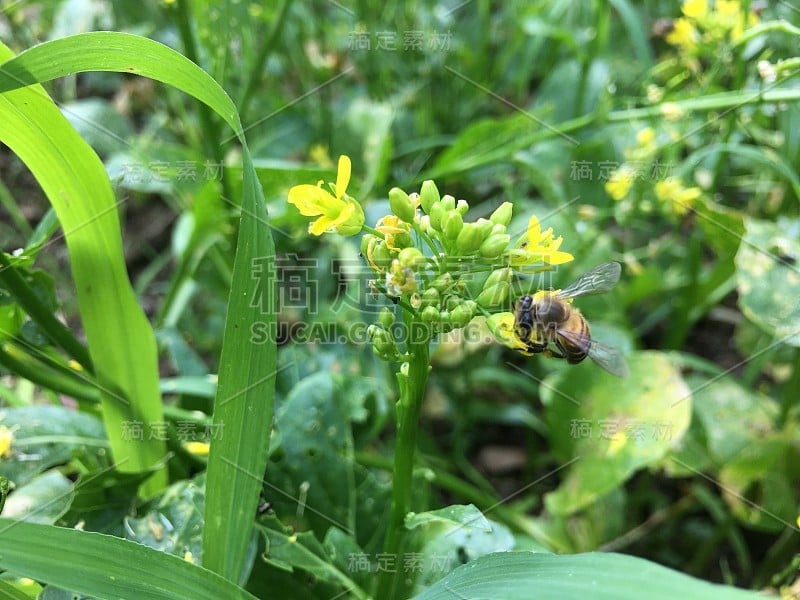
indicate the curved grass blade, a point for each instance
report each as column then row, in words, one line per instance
column 104, row 566
column 244, row 401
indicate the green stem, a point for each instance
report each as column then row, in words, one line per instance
column 412, row 390
column 54, row 329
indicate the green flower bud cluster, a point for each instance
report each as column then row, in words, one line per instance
column 412, row 252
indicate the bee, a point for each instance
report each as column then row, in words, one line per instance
column 550, row 325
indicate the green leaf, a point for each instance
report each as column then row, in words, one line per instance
column 243, row 407
column 606, row 430
column 105, row 566
column 316, row 456
column 175, row 523
column 459, row 515
column 46, row 436
column 42, row 500
column 768, row 277
column 525, row 575
column 121, row 341
column 304, row 551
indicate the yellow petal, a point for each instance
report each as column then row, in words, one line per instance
column 534, row 231
column 309, row 199
column 342, row 175
column 320, row 226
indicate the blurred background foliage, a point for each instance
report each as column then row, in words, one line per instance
column 665, row 139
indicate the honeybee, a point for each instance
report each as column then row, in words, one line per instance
column 549, row 324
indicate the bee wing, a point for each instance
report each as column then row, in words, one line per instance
column 595, row 281
column 605, row 356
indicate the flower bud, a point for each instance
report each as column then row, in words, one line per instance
column 462, row 206
column 498, row 276
column 442, row 283
column 448, row 202
column 381, row 255
column 411, row 258
column 502, row 214
column 366, row 240
column 403, row 240
column 430, row 297
column 493, row 295
column 469, row 239
column 451, row 301
column 402, row 205
column 461, row 315
column 452, row 224
column 428, row 195
column 430, row 314
column 436, row 213
column 386, row 318
column 498, row 229
column 485, row 227
column 494, row 245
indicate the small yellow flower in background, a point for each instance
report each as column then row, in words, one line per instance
column 337, row 212
column 502, row 327
column 695, row 9
column 319, row 154
column 538, row 246
column 188, row 557
column 671, row 111
column 620, row 183
column 6, row 439
column 680, row 199
column 646, row 136
column 198, row 448
column 683, row 35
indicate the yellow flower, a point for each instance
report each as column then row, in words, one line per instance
column 727, row 9
column 391, row 226
column 6, row 439
column 646, row 136
column 683, row 34
column 337, row 212
column 681, row 199
column 502, row 327
column 538, row 246
column 695, row 9
column 620, row 182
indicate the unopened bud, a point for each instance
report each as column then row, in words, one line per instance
column 452, row 224
column 498, row 276
column 469, row 239
column 411, row 257
column 462, row 206
column 402, row 205
column 436, row 213
column 448, row 202
column 386, row 318
column 428, row 195
column 493, row 295
column 430, row 314
column 494, row 245
column 430, row 297
column 502, row 214
column 442, row 283
column 461, row 315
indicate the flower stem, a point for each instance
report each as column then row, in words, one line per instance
column 412, row 390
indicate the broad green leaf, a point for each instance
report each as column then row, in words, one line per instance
column 121, row 341
column 768, row 277
column 315, row 467
column 105, row 566
column 304, row 551
column 42, row 500
column 525, row 575
column 450, row 547
column 606, row 428
column 9, row 591
column 759, row 483
column 46, row 436
column 243, row 407
column 175, row 523
column 457, row 515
